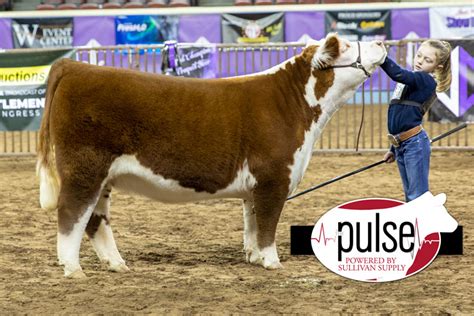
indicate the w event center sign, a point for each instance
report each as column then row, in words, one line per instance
column 23, row 87
column 42, row 33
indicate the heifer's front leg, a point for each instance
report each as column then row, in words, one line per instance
column 100, row 233
column 269, row 199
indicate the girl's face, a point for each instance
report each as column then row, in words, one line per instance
column 426, row 59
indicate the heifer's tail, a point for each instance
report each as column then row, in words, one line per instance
column 46, row 164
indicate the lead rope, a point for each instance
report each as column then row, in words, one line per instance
column 362, row 117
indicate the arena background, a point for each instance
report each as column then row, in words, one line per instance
column 188, row 258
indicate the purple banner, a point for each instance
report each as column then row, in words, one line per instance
column 86, row 31
column 194, row 28
column 5, row 34
column 238, row 62
column 299, row 24
column 414, row 21
column 466, row 97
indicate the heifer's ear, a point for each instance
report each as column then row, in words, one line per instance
column 328, row 53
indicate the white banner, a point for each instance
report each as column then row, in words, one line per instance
column 452, row 22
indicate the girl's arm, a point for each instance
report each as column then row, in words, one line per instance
column 398, row 74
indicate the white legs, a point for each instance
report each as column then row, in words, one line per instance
column 95, row 220
column 266, row 257
column 101, row 236
column 69, row 244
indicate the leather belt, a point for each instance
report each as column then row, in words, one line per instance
column 396, row 140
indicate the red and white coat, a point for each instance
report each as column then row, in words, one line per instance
column 179, row 140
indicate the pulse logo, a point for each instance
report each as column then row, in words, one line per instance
column 379, row 240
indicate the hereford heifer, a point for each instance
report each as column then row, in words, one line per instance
column 179, row 140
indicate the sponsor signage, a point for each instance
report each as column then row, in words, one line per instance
column 145, row 29
column 42, row 33
column 23, row 78
column 252, row 28
column 452, row 22
column 359, row 25
column 379, row 240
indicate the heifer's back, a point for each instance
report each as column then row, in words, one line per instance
column 176, row 140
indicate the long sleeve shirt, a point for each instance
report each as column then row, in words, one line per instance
column 420, row 86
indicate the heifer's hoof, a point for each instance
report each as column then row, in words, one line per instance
column 272, row 265
column 77, row 274
column 121, row 267
column 267, row 259
column 267, row 263
column 251, row 255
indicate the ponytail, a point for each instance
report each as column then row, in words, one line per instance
column 442, row 75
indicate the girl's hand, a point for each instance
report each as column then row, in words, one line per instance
column 389, row 157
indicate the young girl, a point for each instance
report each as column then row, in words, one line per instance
column 413, row 95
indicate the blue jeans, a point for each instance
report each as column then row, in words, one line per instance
column 413, row 159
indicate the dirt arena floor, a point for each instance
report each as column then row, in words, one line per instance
column 188, row 258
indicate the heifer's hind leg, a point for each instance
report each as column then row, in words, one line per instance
column 74, row 210
column 269, row 199
column 100, row 233
column 250, row 229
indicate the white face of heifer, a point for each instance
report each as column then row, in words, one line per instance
column 181, row 140
column 342, row 56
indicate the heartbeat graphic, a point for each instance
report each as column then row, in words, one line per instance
column 420, row 242
column 322, row 233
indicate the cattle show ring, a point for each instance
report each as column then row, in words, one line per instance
column 222, row 157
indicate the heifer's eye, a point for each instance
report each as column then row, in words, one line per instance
column 346, row 47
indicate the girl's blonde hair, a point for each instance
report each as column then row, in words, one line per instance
column 443, row 53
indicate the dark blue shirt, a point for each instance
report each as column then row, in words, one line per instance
column 420, row 86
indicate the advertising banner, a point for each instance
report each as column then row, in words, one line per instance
column 452, row 22
column 23, row 87
column 360, row 25
column 145, row 29
column 253, row 28
column 42, row 33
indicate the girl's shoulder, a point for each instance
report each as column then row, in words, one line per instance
column 425, row 79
